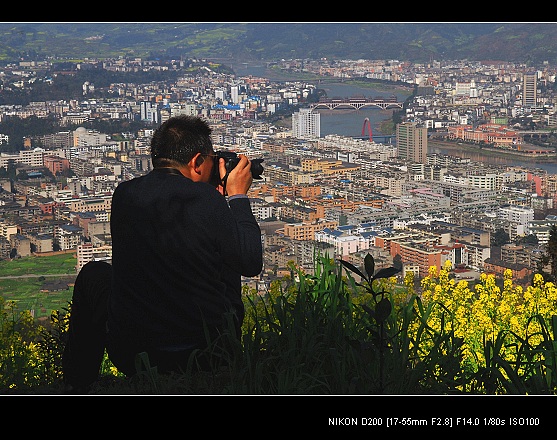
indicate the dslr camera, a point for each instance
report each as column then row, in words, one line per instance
column 231, row 159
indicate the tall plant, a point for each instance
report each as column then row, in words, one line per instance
column 400, row 335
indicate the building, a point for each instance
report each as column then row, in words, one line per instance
column 306, row 124
column 411, row 142
column 87, row 252
column 22, row 244
column 520, row 272
column 33, row 158
column 149, row 111
column 235, row 94
column 529, row 89
column 305, row 230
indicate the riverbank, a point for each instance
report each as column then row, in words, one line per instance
column 387, row 127
column 383, row 86
column 464, row 148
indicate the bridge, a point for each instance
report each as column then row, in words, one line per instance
column 357, row 103
column 379, row 138
column 539, row 135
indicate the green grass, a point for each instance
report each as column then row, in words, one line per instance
column 35, row 273
column 324, row 334
column 62, row 264
column 27, row 295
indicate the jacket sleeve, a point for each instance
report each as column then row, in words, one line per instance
column 249, row 237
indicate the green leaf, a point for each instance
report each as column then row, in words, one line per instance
column 353, row 268
column 369, row 264
column 386, row 272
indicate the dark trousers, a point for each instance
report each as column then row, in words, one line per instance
column 87, row 333
column 88, row 336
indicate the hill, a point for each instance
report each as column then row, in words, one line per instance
column 417, row 42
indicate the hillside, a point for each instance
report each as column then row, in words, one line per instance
column 417, row 42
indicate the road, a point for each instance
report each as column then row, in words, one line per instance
column 33, row 275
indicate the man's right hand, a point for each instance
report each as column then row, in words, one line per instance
column 240, row 178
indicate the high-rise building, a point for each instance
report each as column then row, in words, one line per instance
column 149, row 111
column 220, row 94
column 411, row 142
column 473, row 89
column 529, row 89
column 235, row 94
column 306, row 123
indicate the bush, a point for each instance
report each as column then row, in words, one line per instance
column 340, row 330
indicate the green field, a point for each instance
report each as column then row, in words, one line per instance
column 42, row 284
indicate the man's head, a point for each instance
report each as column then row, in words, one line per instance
column 178, row 140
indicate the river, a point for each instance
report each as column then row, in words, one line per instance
column 341, row 122
column 350, row 122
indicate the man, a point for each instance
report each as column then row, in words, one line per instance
column 179, row 248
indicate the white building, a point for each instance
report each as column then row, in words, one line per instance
column 34, row 158
column 86, row 252
column 516, row 214
column 306, row 124
column 344, row 243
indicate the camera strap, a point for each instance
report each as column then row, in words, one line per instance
column 223, row 182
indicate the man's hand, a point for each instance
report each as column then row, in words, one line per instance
column 239, row 179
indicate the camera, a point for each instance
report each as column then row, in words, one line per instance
column 231, row 159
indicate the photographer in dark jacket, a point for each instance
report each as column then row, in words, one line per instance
column 179, row 249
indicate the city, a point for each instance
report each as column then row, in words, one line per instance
column 341, row 196
column 403, row 257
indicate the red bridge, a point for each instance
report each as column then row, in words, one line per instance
column 366, row 122
column 357, row 103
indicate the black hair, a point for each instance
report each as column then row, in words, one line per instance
column 179, row 139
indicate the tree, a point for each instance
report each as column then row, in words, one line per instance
column 528, row 239
column 549, row 258
column 397, row 261
column 500, row 237
column 22, row 175
column 551, row 251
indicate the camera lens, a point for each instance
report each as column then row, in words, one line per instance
column 231, row 159
column 256, row 168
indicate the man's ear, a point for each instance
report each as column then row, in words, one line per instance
column 197, row 160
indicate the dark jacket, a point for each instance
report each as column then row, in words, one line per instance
column 178, row 251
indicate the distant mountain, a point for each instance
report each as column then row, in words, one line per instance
column 417, row 42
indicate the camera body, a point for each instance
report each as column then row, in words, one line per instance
column 231, row 159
